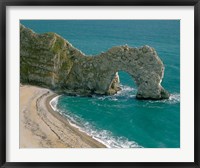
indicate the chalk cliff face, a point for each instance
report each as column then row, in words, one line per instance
column 50, row 61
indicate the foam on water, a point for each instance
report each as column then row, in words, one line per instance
column 53, row 103
column 126, row 93
column 104, row 136
column 173, row 99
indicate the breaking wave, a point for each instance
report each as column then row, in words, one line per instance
column 104, row 136
column 128, row 93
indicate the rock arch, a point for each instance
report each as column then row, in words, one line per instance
column 143, row 65
column 50, row 61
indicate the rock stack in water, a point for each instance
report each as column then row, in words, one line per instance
column 50, row 61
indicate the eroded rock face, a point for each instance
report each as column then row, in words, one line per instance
column 50, row 61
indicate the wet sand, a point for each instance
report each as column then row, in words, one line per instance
column 42, row 127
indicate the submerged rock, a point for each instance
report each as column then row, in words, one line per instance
column 50, row 61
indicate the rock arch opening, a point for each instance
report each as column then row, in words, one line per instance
column 122, row 81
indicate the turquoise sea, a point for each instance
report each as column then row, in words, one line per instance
column 122, row 121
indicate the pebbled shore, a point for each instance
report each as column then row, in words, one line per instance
column 42, row 127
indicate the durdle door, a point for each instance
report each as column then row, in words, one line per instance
column 50, row 61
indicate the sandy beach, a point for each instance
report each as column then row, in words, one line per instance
column 42, row 127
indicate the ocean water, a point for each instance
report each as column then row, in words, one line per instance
column 122, row 121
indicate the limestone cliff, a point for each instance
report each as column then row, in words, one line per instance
column 50, row 61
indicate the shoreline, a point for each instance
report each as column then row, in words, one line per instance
column 83, row 135
column 41, row 126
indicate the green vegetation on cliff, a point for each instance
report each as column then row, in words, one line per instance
column 50, row 61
